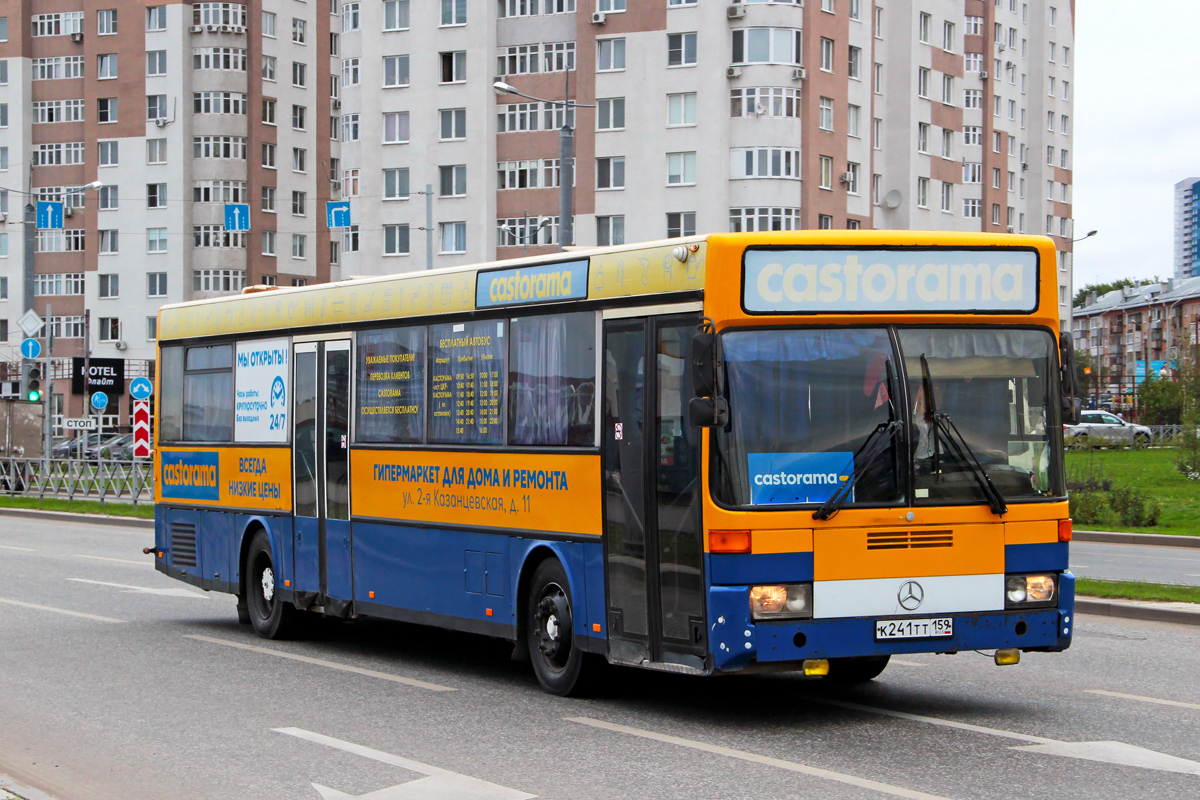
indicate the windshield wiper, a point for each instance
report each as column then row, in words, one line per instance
column 942, row 425
column 875, row 445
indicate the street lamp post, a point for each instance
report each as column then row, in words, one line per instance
column 528, row 234
column 566, row 155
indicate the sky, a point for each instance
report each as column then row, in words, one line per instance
column 1136, row 131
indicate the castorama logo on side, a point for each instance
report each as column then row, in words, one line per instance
column 786, row 478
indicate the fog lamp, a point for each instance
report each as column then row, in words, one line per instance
column 779, row 601
column 816, row 667
column 1008, row 657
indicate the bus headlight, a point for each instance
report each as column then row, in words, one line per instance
column 1024, row 591
column 781, row 601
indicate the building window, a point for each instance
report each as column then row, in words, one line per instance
column 453, row 237
column 971, row 208
column 395, row 15
column 156, row 195
column 395, row 184
column 156, row 106
column 826, row 172
column 767, row 46
column 681, row 49
column 268, row 243
column 109, row 243
column 298, row 117
column 923, row 137
column 395, row 240
column 948, row 90
column 681, row 223
column 610, row 172
column 922, row 192
column 106, row 22
column 826, row 117
column 106, row 109
column 681, row 169
column 156, row 241
column 763, row 219
column 948, row 37
column 826, row 55
column 106, row 66
column 299, row 159
column 151, row 328
column 924, row 22
column 851, row 177
column 110, row 329
column 454, row 66
column 299, row 30
column 764, row 101
column 268, row 199
column 109, row 286
column 453, row 180
column 947, row 143
column 395, row 71
column 947, row 197
column 156, row 284
column 299, row 246
column 156, row 18
column 610, row 55
column 454, row 12
column 298, row 204
column 610, row 114
column 610, row 231
column 923, row 82
column 972, row 135
column 351, row 18
column 681, row 109
column 452, row 124
column 973, row 98
column 109, row 198
column 268, row 24
column 350, row 127
column 825, row 222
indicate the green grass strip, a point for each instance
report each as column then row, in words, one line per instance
column 1137, row 590
column 115, row 509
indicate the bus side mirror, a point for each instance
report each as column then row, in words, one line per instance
column 1071, row 404
column 708, row 409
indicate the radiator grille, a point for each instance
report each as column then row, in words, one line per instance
column 183, row 544
column 909, row 540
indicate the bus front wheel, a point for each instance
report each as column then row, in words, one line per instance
column 549, row 622
column 271, row 617
column 856, row 670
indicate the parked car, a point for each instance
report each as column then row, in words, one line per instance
column 112, row 449
column 70, row 448
column 1100, row 428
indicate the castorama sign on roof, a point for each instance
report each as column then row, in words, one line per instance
column 916, row 281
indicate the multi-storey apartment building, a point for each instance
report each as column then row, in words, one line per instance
column 692, row 117
column 1187, row 229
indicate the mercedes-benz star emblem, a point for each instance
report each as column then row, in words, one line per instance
column 911, row 595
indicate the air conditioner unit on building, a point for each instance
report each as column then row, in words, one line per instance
column 226, row 29
column 1011, row 229
column 197, row 28
column 983, row 76
column 1024, row 167
column 212, row 28
column 735, row 11
column 599, row 18
column 1000, row 47
column 120, row 345
column 77, row 36
column 237, row 29
column 799, row 74
column 845, row 177
column 733, row 72
column 160, row 122
column 68, row 212
column 337, row 103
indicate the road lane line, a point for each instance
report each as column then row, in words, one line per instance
column 433, row 687
column 1144, row 699
column 946, row 723
column 118, row 560
column 22, row 549
column 95, row 617
column 791, row 766
column 125, row 588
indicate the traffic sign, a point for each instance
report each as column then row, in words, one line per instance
column 31, row 348
column 99, row 400
column 237, row 217
column 337, row 214
column 49, row 215
column 141, row 428
column 30, row 323
column 80, row 424
column 141, row 388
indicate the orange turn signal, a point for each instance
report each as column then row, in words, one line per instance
column 729, row 541
column 1064, row 530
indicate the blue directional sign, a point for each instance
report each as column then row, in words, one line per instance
column 237, row 217
column 337, row 214
column 31, row 348
column 99, row 400
column 49, row 215
column 141, row 388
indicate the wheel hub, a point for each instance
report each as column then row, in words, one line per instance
column 554, row 626
column 268, row 584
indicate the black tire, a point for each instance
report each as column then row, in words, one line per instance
column 1141, row 440
column 271, row 617
column 560, row 666
column 856, row 670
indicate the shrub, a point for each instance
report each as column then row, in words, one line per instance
column 1187, row 447
column 1090, row 507
column 1135, row 507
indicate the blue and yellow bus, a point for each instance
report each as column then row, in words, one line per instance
column 802, row 450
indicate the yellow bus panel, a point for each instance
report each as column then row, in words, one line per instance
column 908, row 552
column 257, row 478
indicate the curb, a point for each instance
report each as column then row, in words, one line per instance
column 1116, row 608
column 1114, row 537
column 67, row 516
column 12, row 788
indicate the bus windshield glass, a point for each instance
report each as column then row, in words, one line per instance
column 810, row 407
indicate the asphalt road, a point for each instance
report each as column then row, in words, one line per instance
column 116, row 682
column 1136, row 562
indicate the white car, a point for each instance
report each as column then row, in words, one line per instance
column 1100, row 428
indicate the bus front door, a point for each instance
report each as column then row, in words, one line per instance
column 654, row 550
column 321, row 475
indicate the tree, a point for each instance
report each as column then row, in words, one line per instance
column 1161, row 401
column 1187, row 443
column 1101, row 289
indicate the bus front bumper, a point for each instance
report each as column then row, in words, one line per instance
column 737, row 642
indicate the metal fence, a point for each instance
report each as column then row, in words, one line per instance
column 76, row 479
column 1163, row 435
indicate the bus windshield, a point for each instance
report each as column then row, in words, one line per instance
column 810, row 406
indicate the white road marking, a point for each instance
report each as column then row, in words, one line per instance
column 127, row 589
column 440, row 784
column 1108, row 752
column 1144, row 699
column 791, row 766
column 23, row 549
column 902, row 662
column 59, row 610
column 433, row 687
column 118, row 560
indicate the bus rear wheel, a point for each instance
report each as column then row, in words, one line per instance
column 560, row 666
column 271, row 617
column 856, row 670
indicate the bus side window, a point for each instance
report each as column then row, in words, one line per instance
column 170, row 394
column 552, row 380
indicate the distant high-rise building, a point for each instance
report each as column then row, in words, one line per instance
column 702, row 116
column 1187, row 228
